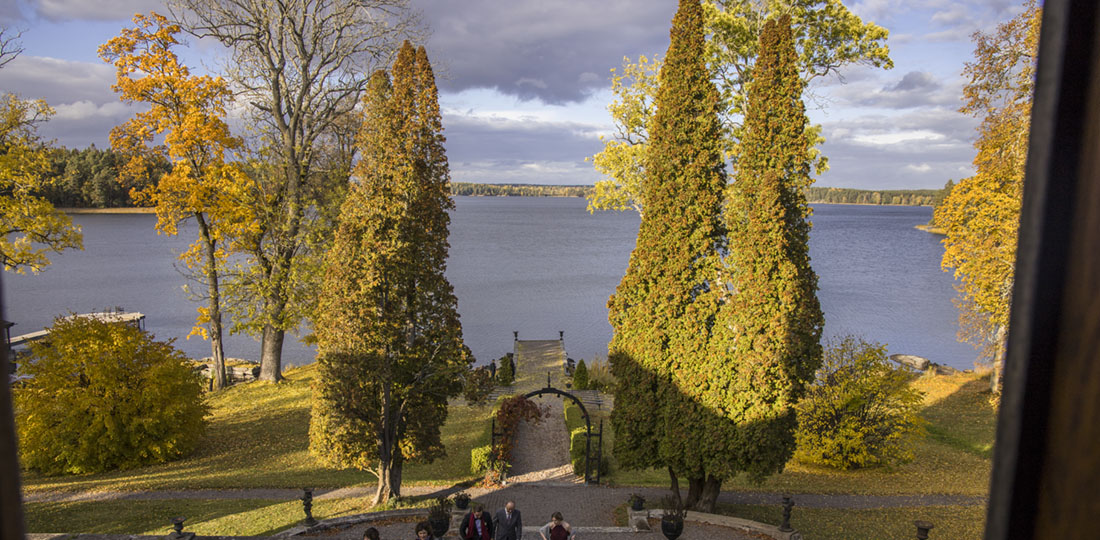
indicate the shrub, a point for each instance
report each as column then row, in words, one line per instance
column 861, row 410
column 600, row 377
column 512, row 411
column 580, row 376
column 573, row 418
column 106, row 396
column 477, row 386
column 506, row 373
column 479, row 459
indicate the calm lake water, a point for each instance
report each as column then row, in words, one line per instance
column 533, row 265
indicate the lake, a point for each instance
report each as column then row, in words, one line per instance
column 532, row 265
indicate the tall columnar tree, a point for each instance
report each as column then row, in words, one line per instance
column 203, row 185
column 389, row 338
column 299, row 64
column 770, row 327
column 981, row 214
column 663, row 309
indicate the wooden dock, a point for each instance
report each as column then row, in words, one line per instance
column 137, row 319
column 537, row 358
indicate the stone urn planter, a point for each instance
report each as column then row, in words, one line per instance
column 439, row 517
column 637, row 502
column 439, row 526
column 672, row 528
column 462, row 501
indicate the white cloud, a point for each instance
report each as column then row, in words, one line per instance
column 879, row 139
column 922, row 168
column 535, row 83
column 85, row 109
column 59, row 81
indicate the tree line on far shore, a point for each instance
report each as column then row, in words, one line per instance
column 89, row 178
column 814, row 194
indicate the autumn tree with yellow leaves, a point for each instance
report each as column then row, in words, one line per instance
column 188, row 111
column 981, row 214
column 827, row 37
column 29, row 225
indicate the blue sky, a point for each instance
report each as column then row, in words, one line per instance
column 525, row 83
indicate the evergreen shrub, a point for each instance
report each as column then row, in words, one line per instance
column 105, row 396
column 580, row 376
column 506, row 373
column 861, row 411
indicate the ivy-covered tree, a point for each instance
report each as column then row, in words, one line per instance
column 981, row 214
column 389, row 340
column 770, row 328
column 663, row 310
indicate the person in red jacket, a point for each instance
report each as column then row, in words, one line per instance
column 476, row 525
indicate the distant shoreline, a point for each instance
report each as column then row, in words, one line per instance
column 153, row 210
column 108, row 210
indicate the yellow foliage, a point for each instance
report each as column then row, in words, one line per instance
column 188, row 111
column 29, row 224
column 981, row 214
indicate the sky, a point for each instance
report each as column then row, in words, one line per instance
column 525, row 83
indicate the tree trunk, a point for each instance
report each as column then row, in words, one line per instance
column 382, row 494
column 695, row 490
column 396, row 465
column 271, row 354
column 709, row 496
column 387, row 450
column 210, row 269
column 675, row 485
column 998, row 361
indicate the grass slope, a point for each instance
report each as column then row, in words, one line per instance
column 258, row 437
column 955, row 458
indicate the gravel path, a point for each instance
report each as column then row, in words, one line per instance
column 541, row 454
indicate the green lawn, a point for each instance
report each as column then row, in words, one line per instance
column 232, row 517
column 955, row 458
column 953, row 522
column 258, row 436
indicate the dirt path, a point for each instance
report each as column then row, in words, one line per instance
column 542, row 451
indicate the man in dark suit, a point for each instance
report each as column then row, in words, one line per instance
column 509, row 524
column 477, row 525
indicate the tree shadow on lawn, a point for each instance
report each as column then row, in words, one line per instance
column 965, row 419
column 154, row 516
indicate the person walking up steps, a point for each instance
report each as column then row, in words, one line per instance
column 424, row 531
column 509, row 524
column 557, row 529
column 476, row 525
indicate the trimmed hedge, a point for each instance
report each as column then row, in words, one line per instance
column 573, row 418
column 576, row 453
